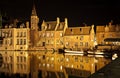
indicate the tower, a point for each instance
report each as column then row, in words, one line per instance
column 34, row 19
column 34, row 27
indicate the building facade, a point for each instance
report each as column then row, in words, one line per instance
column 15, row 38
column 79, row 38
column 108, row 36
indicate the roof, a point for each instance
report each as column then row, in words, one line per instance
column 112, row 39
column 34, row 11
column 61, row 26
column 51, row 25
column 77, row 31
column 100, row 28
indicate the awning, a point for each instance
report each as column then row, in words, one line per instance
column 112, row 40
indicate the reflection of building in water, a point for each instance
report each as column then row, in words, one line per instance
column 69, row 65
column 48, row 63
column 15, row 62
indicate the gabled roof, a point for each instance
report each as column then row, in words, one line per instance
column 51, row 25
column 77, row 31
column 112, row 28
column 61, row 26
column 100, row 29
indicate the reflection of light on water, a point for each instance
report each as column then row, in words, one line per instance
column 72, row 65
column 52, row 58
column 61, row 67
column 114, row 56
column 48, row 65
column 67, row 59
column 43, row 64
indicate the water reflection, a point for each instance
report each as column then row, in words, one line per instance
column 40, row 64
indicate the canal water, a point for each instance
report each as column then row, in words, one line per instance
column 50, row 64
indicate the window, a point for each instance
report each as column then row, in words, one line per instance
column 80, row 29
column 11, row 59
column 24, row 34
column 20, row 41
column 43, row 34
column 17, row 41
column 24, row 67
column 21, row 34
column 24, row 59
column 24, row 41
column 48, row 34
column 67, row 44
column 17, row 34
column 76, row 59
column 10, row 33
column 52, row 34
column 61, row 34
column 5, row 42
column 21, row 59
column 86, row 44
column 10, row 41
column 17, row 58
column 81, row 43
column 81, row 37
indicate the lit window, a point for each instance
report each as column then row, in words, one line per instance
column 10, row 41
column 86, row 44
column 11, row 59
column 20, row 41
column 5, row 42
column 21, row 34
column 17, row 58
column 24, row 67
column 67, row 43
column 52, row 34
column 17, row 34
column 24, row 59
column 43, row 34
column 76, row 59
column 67, row 59
column 24, row 41
column 48, row 34
column 17, row 41
column 61, row 34
column 81, row 43
column 81, row 37
column 24, row 34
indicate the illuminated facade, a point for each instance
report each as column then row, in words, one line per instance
column 79, row 38
column 108, row 36
column 52, row 34
column 14, row 38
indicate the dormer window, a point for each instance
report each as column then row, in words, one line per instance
column 80, row 29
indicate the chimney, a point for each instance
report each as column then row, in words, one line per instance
column 58, row 20
column 66, row 21
column 27, row 24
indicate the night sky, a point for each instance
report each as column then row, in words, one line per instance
column 77, row 11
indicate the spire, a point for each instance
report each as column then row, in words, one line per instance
column 34, row 10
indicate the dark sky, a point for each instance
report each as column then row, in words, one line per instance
column 77, row 11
